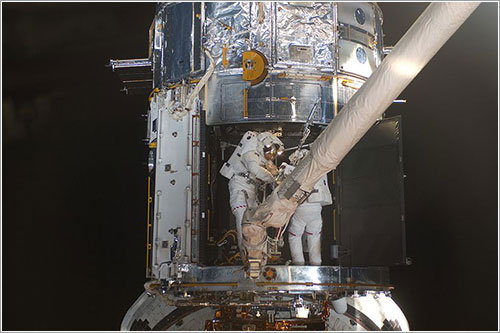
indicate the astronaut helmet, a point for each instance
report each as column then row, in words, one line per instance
column 271, row 145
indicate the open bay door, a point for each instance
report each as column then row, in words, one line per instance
column 370, row 199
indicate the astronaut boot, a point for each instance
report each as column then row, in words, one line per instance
column 254, row 249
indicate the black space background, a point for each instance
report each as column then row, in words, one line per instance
column 74, row 178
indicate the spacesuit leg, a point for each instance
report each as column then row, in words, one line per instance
column 241, row 196
column 313, row 223
column 295, row 231
column 238, row 214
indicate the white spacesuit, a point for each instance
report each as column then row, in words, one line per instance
column 307, row 218
column 250, row 166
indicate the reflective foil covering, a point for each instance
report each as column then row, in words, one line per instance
column 262, row 19
column 227, row 24
column 312, row 48
column 305, row 34
column 298, row 33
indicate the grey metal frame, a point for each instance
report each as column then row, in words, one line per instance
column 176, row 218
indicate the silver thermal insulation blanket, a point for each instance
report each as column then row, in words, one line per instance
column 272, row 28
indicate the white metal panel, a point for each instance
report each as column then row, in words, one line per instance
column 172, row 197
column 347, row 15
column 356, row 59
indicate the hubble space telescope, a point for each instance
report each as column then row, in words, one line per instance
column 314, row 74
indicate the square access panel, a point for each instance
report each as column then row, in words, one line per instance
column 370, row 199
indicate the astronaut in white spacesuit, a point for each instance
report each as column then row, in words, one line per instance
column 250, row 166
column 307, row 218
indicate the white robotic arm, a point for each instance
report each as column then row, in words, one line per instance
column 415, row 49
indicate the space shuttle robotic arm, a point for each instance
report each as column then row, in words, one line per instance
column 425, row 37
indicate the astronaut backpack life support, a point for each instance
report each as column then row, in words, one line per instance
column 247, row 143
column 321, row 193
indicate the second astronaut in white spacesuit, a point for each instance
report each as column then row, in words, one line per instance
column 307, row 218
column 250, row 165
